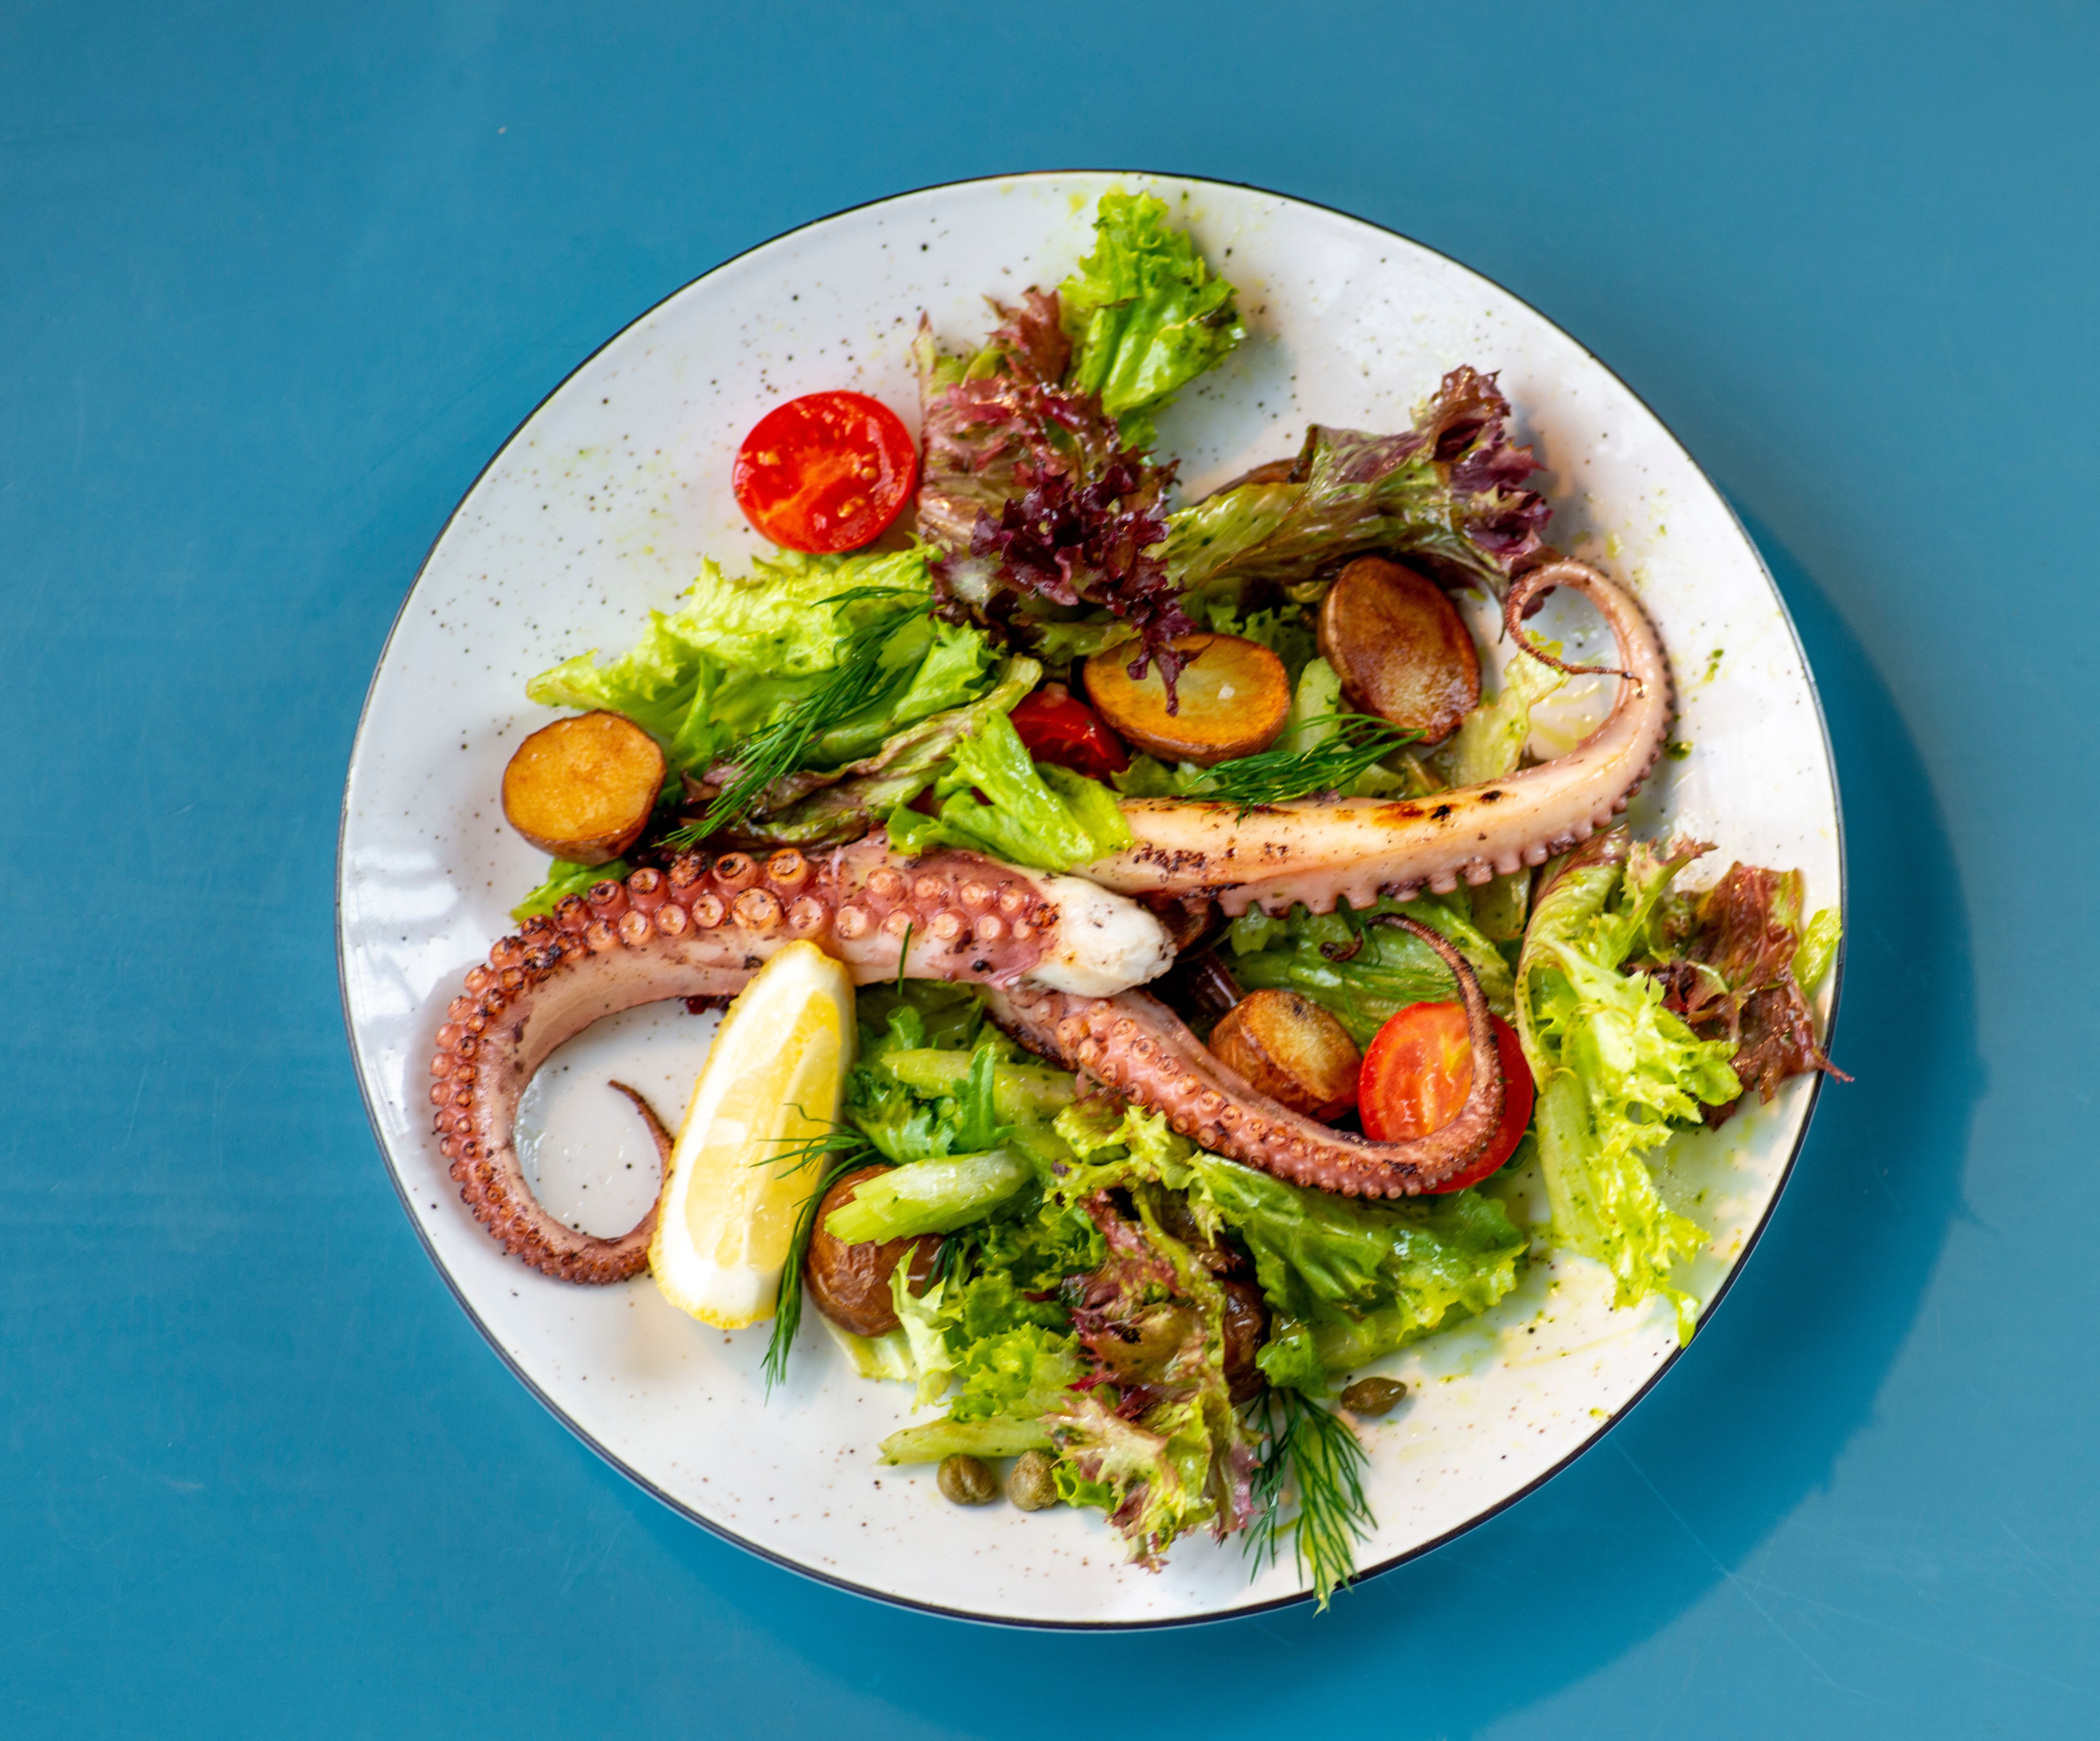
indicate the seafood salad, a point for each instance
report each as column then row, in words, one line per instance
column 1161, row 940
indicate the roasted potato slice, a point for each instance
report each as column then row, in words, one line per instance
column 583, row 788
column 1233, row 697
column 1400, row 647
column 850, row 1284
column 1291, row 1050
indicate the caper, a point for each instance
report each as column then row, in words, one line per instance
column 1373, row 1396
column 1032, row 1482
column 966, row 1480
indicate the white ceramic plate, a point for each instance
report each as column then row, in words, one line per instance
column 601, row 505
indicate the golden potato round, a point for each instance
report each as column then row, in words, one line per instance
column 850, row 1284
column 1233, row 697
column 1400, row 647
column 583, row 788
column 1291, row 1050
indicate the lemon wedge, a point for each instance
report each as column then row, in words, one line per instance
column 771, row 1080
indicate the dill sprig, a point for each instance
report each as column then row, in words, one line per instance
column 1330, row 765
column 1275, row 776
column 1313, row 1454
column 848, row 1149
column 798, row 1152
column 778, row 749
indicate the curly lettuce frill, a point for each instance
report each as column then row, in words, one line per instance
column 1145, row 314
column 1736, row 963
column 1449, row 493
column 1037, row 507
column 1151, row 1435
column 1616, row 1072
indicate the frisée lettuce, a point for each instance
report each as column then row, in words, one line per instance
column 1145, row 314
column 1616, row 1071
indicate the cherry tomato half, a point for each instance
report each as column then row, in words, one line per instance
column 1060, row 729
column 1418, row 1072
column 825, row 473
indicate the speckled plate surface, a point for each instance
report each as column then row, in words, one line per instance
column 602, row 506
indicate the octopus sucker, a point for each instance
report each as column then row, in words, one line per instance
column 1318, row 851
column 1176, row 1074
column 598, row 955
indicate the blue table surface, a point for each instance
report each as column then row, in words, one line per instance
column 275, row 281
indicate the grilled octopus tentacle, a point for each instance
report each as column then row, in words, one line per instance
column 1059, row 954
column 1320, row 851
column 1137, row 1046
column 698, row 930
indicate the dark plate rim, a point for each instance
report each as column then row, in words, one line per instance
column 1272, row 1604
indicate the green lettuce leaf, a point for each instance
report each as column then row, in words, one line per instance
column 916, row 1114
column 1348, row 1280
column 999, row 1340
column 739, row 651
column 1042, row 816
column 1290, row 1359
column 924, row 1318
column 1114, row 1146
column 789, row 616
column 935, row 667
column 1018, row 1370
column 1819, row 949
column 975, row 1095
column 1145, row 314
column 1489, row 744
column 1020, row 1093
column 935, row 1196
column 1363, row 1279
column 902, row 1125
column 1616, row 1071
column 1390, row 971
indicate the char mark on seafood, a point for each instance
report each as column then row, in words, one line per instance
column 1321, row 851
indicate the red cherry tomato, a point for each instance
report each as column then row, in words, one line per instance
column 1064, row 731
column 826, row 473
column 1418, row 1072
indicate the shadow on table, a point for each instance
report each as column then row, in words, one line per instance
column 1642, row 1527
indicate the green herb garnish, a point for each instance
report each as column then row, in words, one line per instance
column 1313, row 1451
column 778, row 749
column 849, row 1149
column 1274, row 776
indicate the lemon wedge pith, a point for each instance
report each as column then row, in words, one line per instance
column 772, row 1080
